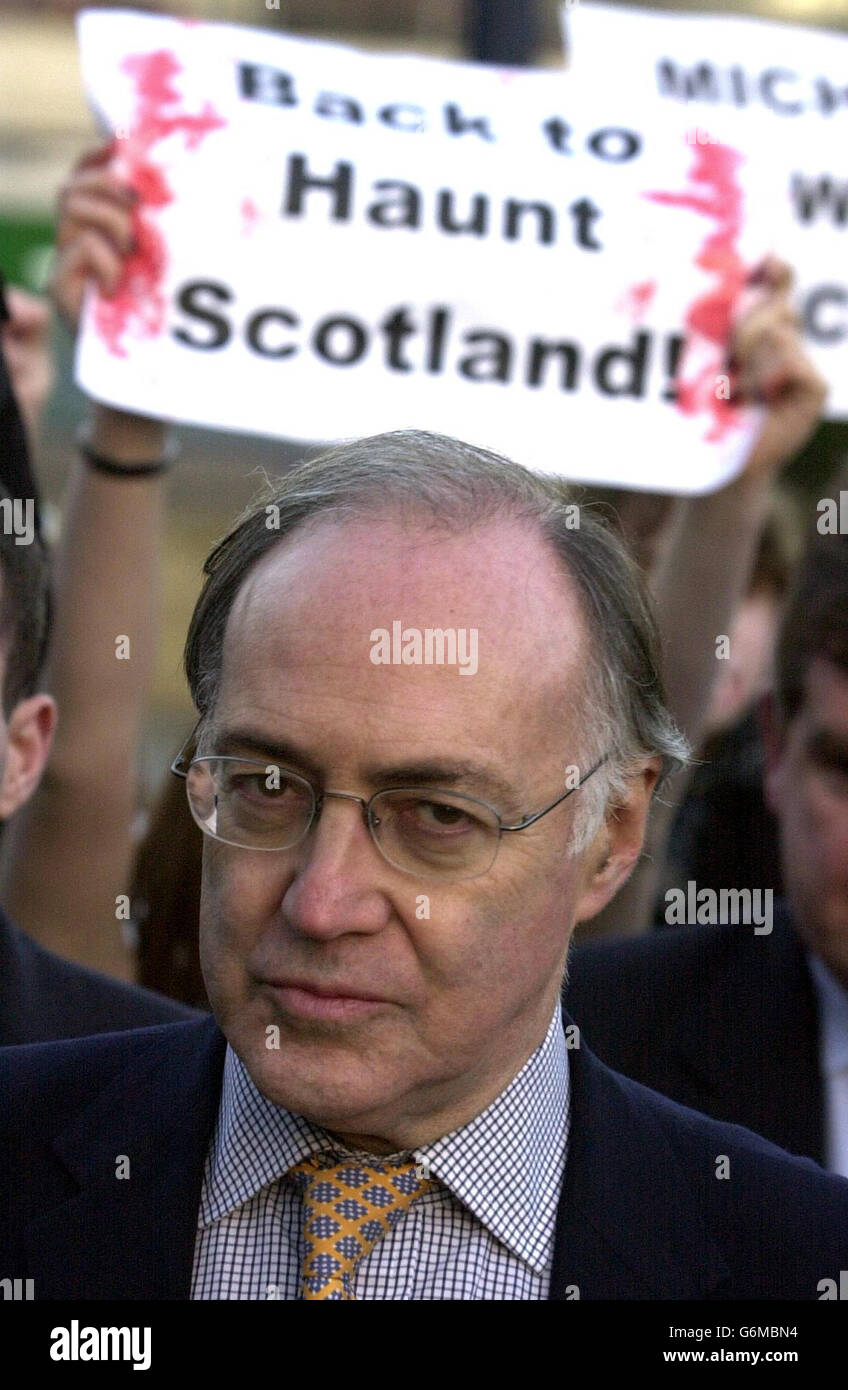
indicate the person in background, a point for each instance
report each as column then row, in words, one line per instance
column 65, row 859
column 26, row 376
column 748, row 1022
column 724, row 833
column 43, row 997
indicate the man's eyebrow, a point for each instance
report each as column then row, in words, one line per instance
column 461, row 775
column 264, row 749
column 465, row 776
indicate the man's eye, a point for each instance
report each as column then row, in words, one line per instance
column 440, row 815
column 262, row 786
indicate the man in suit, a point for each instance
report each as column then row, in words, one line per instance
column 750, row 1023
column 431, row 724
column 43, row 997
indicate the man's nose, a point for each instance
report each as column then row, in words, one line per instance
column 339, row 874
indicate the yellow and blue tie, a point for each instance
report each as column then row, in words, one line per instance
column 348, row 1207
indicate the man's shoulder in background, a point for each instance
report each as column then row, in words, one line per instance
column 44, row 998
column 719, row 1018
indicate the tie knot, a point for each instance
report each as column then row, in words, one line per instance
column 349, row 1205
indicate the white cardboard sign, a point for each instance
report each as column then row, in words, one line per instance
column 333, row 243
column 778, row 92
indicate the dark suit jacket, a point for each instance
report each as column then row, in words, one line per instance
column 715, row 1017
column 642, row 1213
column 43, row 997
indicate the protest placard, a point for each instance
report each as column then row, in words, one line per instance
column 332, row 243
column 779, row 93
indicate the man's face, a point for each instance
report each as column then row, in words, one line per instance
column 460, row 977
column 807, row 788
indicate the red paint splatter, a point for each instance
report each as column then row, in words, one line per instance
column 717, row 195
column 250, row 216
column 138, row 301
column 637, row 300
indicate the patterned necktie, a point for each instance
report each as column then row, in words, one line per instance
column 348, row 1206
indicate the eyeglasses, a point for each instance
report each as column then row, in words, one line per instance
column 420, row 830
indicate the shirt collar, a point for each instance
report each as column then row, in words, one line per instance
column 833, row 1015
column 505, row 1165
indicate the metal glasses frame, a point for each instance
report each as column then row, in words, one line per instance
column 180, row 766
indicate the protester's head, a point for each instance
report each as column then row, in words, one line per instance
column 807, row 750
column 309, row 649
column 28, row 715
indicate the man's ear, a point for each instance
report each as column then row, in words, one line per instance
column 611, row 858
column 29, row 734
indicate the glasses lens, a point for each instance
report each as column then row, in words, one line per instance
column 435, row 835
column 256, row 805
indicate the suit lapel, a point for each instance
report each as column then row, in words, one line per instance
column 629, row 1224
column 133, row 1236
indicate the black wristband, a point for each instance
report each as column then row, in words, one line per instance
column 102, row 464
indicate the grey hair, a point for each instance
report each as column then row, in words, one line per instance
column 624, row 715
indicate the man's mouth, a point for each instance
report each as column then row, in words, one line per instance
column 321, row 1001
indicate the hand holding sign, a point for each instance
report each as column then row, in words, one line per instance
column 94, row 234
column 772, row 367
column 94, row 241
